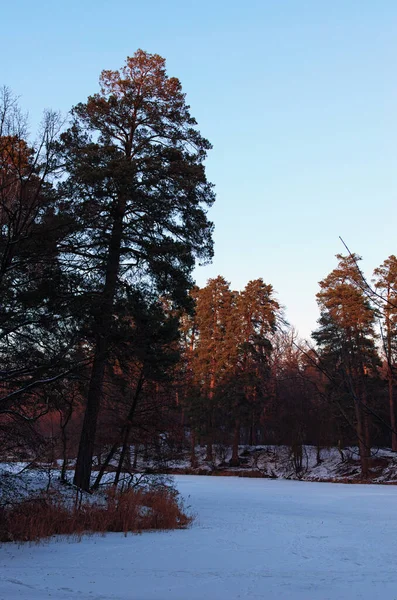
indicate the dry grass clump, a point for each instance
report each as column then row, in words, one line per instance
column 132, row 510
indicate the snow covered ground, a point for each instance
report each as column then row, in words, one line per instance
column 277, row 462
column 253, row 539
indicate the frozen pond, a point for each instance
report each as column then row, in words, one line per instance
column 252, row 539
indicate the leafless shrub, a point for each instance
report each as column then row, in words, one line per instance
column 133, row 510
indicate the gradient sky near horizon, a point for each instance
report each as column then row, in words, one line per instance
column 298, row 98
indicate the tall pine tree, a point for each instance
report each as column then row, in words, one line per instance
column 137, row 183
column 346, row 340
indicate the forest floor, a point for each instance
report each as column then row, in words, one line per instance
column 280, row 462
column 252, row 538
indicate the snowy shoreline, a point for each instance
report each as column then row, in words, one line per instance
column 277, row 462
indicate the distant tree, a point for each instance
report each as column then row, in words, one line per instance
column 256, row 316
column 215, row 352
column 226, row 351
column 137, row 183
column 386, row 286
column 346, row 341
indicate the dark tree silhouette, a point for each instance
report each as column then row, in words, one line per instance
column 138, row 187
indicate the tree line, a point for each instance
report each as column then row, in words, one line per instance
column 248, row 379
column 105, row 341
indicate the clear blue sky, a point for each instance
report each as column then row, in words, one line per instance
column 299, row 99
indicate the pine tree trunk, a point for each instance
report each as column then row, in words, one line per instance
column 83, row 470
column 251, row 431
column 366, row 421
column 236, row 440
column 82, row 475
column 392, row 413
column 126, row 430
column 361, row 442
column 64, row 455
column 64, row 439
column 367, row 433
column 104, row 465
column 193, row 457
column 136, row 452
column 209, row 454
column 122, row 454
column 318, row 455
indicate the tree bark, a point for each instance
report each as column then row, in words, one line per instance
column 363, row 450
column 209, row 455
column 122, row 454
column 136, row 452
column 318, row 455
column 105, row 464
column 193, row 457
column 124, row 434
column 392, row 412
column 128, row 425
column 236, row 440
column 82, row 476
